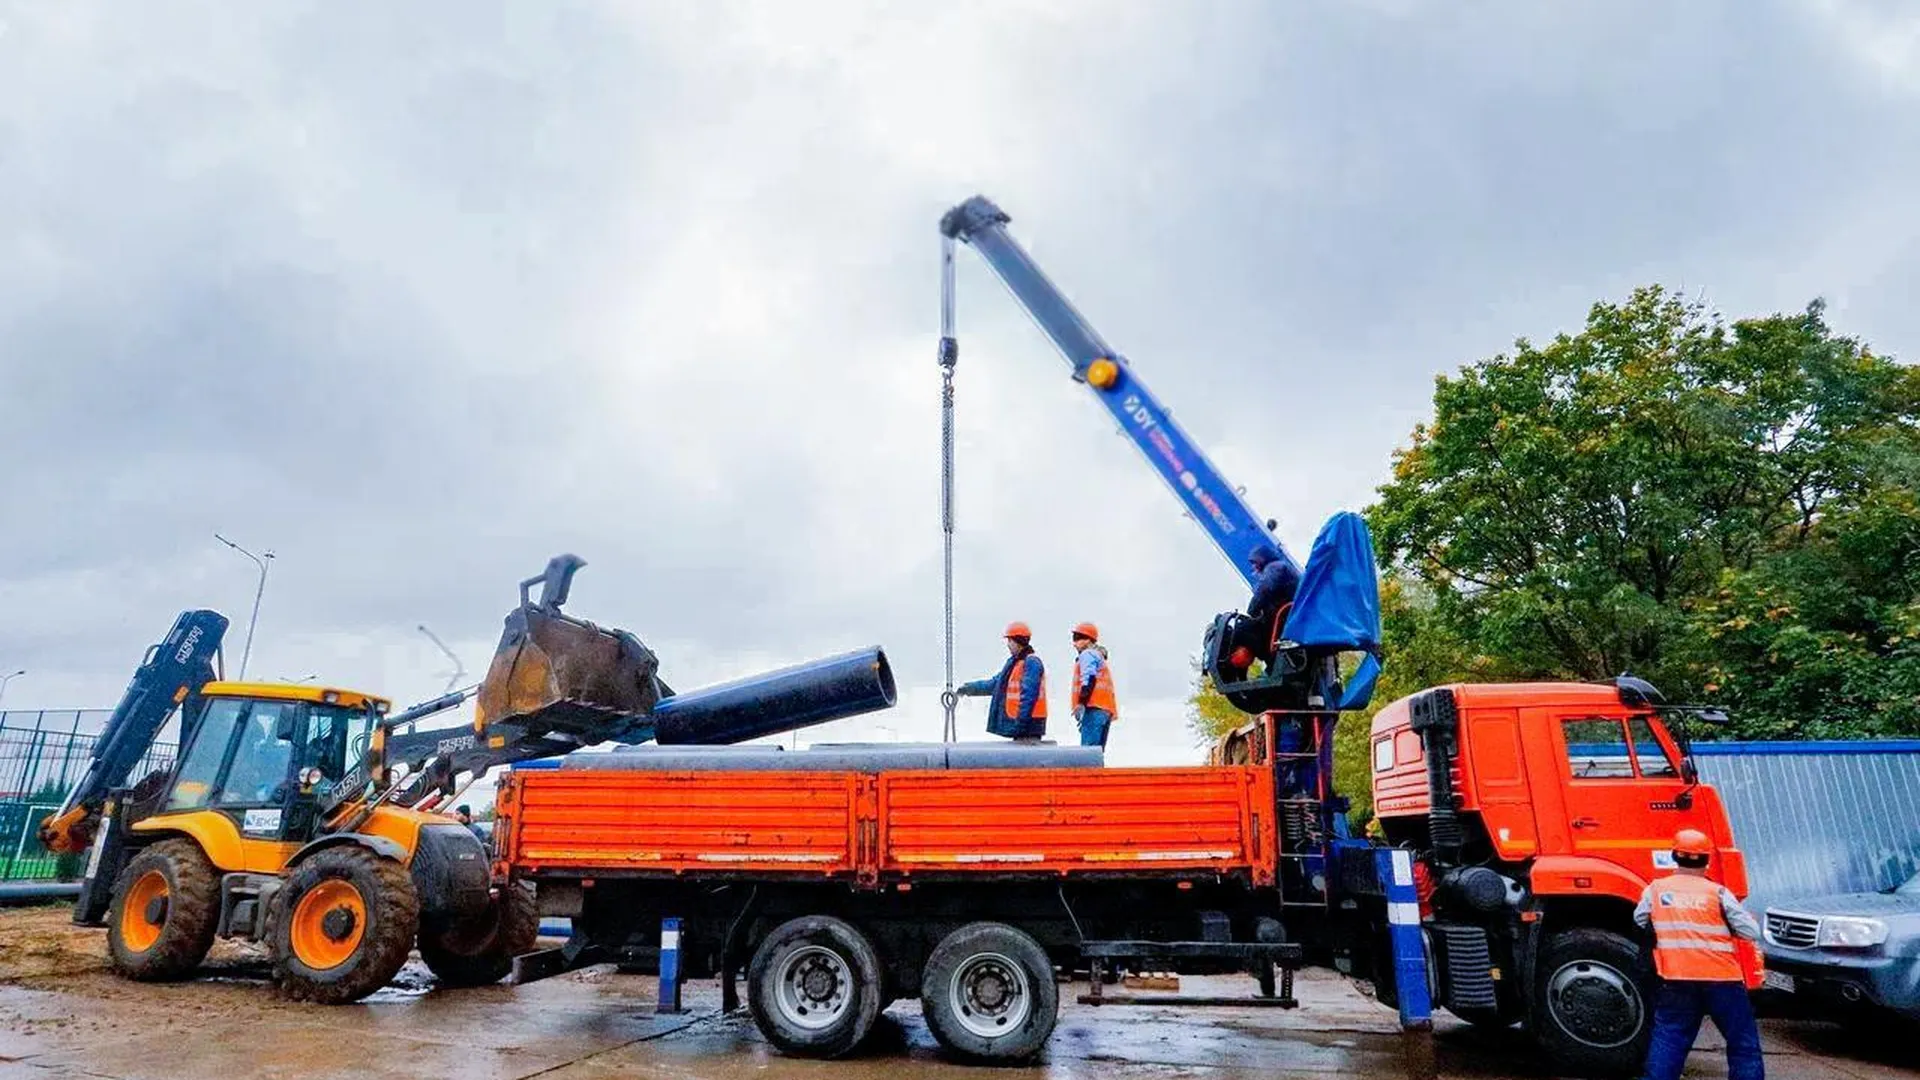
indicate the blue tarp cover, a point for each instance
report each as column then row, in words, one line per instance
column 1338, row 603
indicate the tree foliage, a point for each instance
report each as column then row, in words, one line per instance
column 1730, row 510
column 1727, row 510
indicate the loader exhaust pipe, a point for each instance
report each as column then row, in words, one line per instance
column 778, row 701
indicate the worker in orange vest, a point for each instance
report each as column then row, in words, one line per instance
column 1017, row 696
column 1695, row 922
column 1094, row 707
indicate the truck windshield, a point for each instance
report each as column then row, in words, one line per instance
column 1909, row 887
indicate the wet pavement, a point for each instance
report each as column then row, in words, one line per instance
column 63, row 1015
column 600, row 1024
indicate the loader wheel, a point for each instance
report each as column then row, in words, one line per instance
column 165, row 910
column 989, row 993
column 480, row 949
column 343, row 926
column 814, row 987
column 1591, row 1014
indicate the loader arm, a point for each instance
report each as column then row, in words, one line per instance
column 174, row 669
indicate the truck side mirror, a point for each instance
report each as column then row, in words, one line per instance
column 288, row 729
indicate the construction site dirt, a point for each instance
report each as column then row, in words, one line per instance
column 63, row 1014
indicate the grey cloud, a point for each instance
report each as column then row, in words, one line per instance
column 423, row 295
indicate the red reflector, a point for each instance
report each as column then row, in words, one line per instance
column 1184, row 885
column 1583, row 883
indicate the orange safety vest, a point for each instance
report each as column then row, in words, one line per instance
column 1102, row 696
column 1015, row 676
column 1692, row 942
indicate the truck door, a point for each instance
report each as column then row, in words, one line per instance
column 1622, row 774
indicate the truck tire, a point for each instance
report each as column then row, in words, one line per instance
column 165, row 909
column 1592, row 1013
column 814, row 987
column 989, row 993
column 479, row 949
column 343, row 925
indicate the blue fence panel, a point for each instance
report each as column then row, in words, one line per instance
column 1819, row 817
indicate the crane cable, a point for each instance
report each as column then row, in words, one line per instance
column 949, row 357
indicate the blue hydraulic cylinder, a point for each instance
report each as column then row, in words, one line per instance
column 1235, row 529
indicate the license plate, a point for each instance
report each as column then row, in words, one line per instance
column 1774, row 980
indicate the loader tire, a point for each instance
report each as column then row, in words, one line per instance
column 165, row 909
column 343, row 926
column 479, row 949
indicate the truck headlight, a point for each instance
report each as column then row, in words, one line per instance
column 1840, row 932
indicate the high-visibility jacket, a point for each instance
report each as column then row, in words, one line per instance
column 1014, row 696
column 1692, row 941
column 1100, row 694
column 1017, row 698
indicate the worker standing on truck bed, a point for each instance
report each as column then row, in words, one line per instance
column 1094, row 706
column 1017, row 696
column 1694, row 922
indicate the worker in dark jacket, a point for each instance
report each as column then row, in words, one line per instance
column 1017, row 696
column 1273, row 585
column 1694, row 922
column 1094, row 706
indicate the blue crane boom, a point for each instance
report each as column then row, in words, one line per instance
column 1232, row 525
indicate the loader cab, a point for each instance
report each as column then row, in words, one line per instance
column 264, row 756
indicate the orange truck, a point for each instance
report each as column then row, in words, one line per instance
column 839, row 879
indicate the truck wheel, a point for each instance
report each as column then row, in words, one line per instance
column 814, row 987
column 1590, row 1013
column 989, row 993
column 479, row 949
column 343, row 926
column 165, row 909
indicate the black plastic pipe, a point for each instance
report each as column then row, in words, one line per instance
column 778, row 701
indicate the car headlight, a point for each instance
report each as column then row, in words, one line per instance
column 1840, row 932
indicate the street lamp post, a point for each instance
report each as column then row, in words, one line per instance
column 459, row 669
column 261, row 562
column 5, row 679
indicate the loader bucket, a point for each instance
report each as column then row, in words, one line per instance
column 553, row 672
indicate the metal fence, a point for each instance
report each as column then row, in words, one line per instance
column 42, row 755
column 1817, row 818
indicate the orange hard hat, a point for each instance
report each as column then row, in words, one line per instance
column 1086, row 630
column 1692, row 842
column 1018, row 630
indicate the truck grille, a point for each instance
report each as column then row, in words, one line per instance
column 1792, row 931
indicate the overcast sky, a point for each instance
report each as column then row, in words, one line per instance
column 419, row 295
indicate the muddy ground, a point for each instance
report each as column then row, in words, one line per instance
column 63, row 1014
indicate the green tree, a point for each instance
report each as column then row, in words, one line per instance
column 1728, row 511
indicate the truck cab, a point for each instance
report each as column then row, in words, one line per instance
column 1539, row 812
